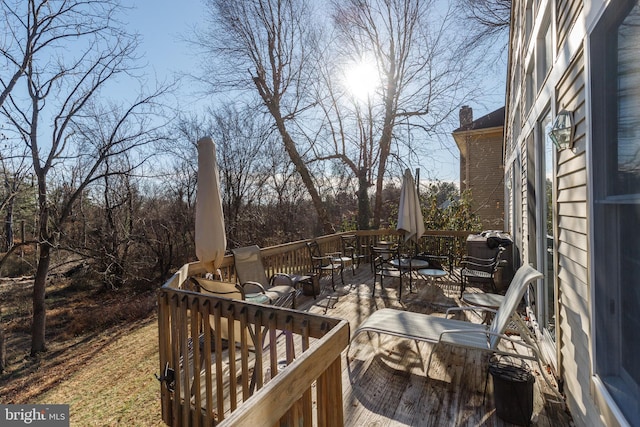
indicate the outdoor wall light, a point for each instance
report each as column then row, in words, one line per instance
column 561, row 132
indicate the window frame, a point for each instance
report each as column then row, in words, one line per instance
column 544, row 53
column 607, row 212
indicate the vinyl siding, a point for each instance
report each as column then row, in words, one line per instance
column 567, row 11
column 573, row 249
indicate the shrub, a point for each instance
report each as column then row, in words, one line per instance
column 16, row 266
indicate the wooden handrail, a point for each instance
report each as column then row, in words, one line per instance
column 205, row 389
column 322, row 361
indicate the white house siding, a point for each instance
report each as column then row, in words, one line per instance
column 567, row 12
column 573, row 253
column 565, row 87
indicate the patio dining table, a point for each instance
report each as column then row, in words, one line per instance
column 411, row 264
column 432, row 273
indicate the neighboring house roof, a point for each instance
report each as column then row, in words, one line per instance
column 488, row 126
column 491, row 120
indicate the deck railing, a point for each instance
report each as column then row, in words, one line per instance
column 268, row 376
column 293, row 257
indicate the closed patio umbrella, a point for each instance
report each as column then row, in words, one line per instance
column 211, row 240
column 410, row 219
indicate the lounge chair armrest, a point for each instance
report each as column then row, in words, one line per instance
column 470, row 307
column 191, row 284
column 253, row 287
column 501, row 336
column 280, row 279
column 484, row 332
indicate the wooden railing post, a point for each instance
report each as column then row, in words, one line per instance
column 329, row 398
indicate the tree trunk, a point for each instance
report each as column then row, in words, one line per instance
column 385, row 147
column 302, row 169
column 385, row 139
column 38, row 343
column 364, row 209
column 8, row 224
column 38, row 326
column 295, row 157
column 3, row 347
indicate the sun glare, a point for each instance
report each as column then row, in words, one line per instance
column 362, row 80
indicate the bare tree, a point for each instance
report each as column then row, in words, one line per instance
column 345, row 134
column 75, row 48
column 113, row 244
column 487, row 22
column 287, row 217
column 422, row 74
column 241, row 138
column 265, row 45
column 33, row 26
column 14, row 171
column 272, row 47
column 492, row 16
column 256, row 175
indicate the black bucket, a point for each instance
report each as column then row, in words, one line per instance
column 512, row 390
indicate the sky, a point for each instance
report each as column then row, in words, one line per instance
column 164, row 24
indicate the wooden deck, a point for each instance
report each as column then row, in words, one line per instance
column 384, row 380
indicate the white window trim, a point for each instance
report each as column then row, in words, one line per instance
column 611, row 415
column 549, row 349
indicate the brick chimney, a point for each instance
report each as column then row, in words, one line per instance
column 466, row 115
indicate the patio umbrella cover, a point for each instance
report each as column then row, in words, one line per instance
column 211, row 240
column 410, row 219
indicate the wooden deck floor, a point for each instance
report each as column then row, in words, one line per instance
column 384, row 380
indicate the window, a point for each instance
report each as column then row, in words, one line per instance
column 615, row 59
column 529, row 88
column 546, row 250
column 539, row 63
column 528, row 21
column 544, row 53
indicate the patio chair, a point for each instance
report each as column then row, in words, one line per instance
column 438, row 250
column 381, row 260
column 480, row 269
column 351, row 249
column 459, row 333
column 280, row 287
column 226, row 290
column 326, row 263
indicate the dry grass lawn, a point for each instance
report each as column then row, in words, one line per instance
column 102, row 353
column 116, row 386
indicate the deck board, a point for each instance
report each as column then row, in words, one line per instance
column 384, row 380
column 385, row 383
